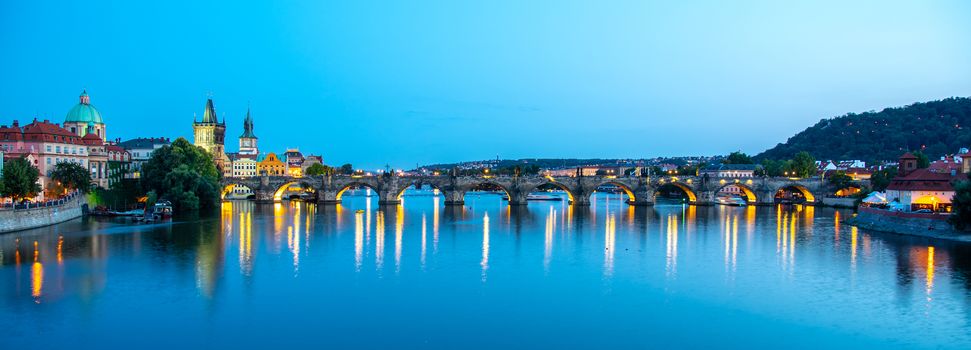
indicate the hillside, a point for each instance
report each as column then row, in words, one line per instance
column 937, row 127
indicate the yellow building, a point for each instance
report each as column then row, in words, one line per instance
column 271, row 165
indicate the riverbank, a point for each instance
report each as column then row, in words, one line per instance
column 912, row 224
column 24, row 219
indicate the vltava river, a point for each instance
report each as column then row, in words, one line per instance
column 483, row 276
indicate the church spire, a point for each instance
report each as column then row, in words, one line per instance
column 209, row 116
column 248, row 126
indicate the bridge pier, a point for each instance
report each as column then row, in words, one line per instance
column 704, row 198
column 643, row 198
column 765, row 198
column 517, row 198
column 581, row 200
column 263, row 196
column 454, row 197
column 388, row 197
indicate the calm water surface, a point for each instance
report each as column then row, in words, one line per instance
column 483, row 276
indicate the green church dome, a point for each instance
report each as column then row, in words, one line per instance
column 84, row 112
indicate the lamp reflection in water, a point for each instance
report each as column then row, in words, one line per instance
column 435, row 225
column 293, row 239
column 853, row 244
column 836, row 229
column 367, row 222
column 246, row 243
column 424, row 231
column 399, row 222
column 60, row 255
column 485, row 245
column 379, row 241
column 358, row 239
column 671, row 254
column 610, row 228
column 277, row 225
column 36, row 276
column 930, row 271
column 731, row 241
column 548, row 251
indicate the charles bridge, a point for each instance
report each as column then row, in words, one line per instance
column 641, row 190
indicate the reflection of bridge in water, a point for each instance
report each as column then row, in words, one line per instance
column 640, row 190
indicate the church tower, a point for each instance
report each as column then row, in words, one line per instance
column 247, row 141
column 210, row 134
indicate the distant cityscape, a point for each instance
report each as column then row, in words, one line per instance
column 82, row 139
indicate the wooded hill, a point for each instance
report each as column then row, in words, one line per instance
column 936, row 128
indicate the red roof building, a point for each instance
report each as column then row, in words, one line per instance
column 923, row 188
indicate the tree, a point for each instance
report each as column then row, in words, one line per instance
column 840, row 180
column 347, row 169
column 881, row 178
column 184, row 174
column 72, row 176
column 20, row 179
column 961, row 206
column 319, row 169
column 738, row 158
column 771, row 167
column 803, row 164
column 922, row 161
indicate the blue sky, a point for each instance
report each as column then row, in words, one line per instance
column 374, row 82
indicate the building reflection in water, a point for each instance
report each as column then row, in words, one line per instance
column 203, row 247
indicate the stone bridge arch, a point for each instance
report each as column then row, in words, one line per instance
column 748, row 187
column 640, row 190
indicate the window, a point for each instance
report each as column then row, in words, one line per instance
column 48, row 148
column 48, row 161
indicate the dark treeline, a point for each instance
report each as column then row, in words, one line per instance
column 937, row 128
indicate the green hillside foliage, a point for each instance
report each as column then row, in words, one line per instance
column 936, row 128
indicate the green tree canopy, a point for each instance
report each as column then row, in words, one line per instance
column 20, row 179
column 319, row 169
column 839, row 179
column 738, row 158
column 922, row 161
column 72, row 176
column 347, row 169
column 184, row 174
column 961, row 206
column 881, row 178
column 803, row 164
